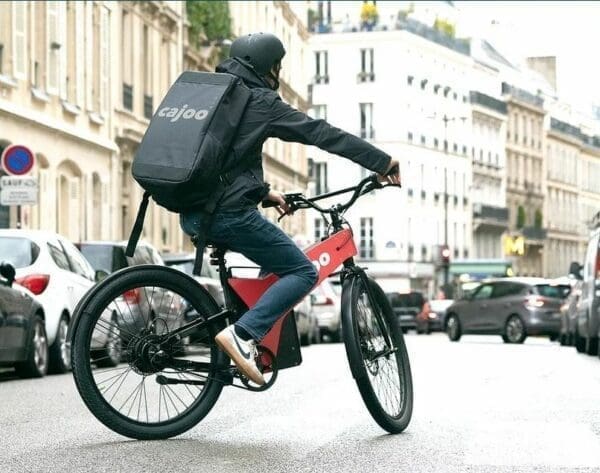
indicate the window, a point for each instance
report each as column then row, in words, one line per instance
column 367, row 247
column 436, row 142
column 423, row 140
column 1, row 58
column 423, row 84
column 409, row 80
column 319, row 229
column 321, row 67
column 127, row 65
column 367, row 73
column 423, row 253
column 366, row 121
column 455, row 147
column 464, row 150
column 320, row 177
column 319, row 111
column 483, row 292
column 59, row 257
column 77, row 262
column 410, row 136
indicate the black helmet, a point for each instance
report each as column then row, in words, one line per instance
column 261, row 50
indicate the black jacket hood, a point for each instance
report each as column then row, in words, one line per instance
column 244, row 71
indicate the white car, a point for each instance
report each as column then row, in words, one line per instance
column 327, row 308
column 56, row 272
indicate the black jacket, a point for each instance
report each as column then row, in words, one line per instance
column 267, row 116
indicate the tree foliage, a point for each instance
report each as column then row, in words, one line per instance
column 210, row 18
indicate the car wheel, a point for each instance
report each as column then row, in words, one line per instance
column 110, row 355
column 60, row 353
column 563, row 340
column 591, row 347
column 36, row 364
column 336, row 336
column 579, row 343
column 514, row 330
column 453, row 328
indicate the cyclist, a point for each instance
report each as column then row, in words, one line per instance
column 236, row 223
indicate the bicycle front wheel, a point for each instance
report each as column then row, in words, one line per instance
column 377, row 354
column 133, row 381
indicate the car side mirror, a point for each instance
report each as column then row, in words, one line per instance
column 7, row 271
column 100, row 275
column 575, row 269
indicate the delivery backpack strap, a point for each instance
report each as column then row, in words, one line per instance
column 200, row 239
column 136, row 231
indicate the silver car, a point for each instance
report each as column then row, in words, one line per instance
column 511, row 307
column 326, row 306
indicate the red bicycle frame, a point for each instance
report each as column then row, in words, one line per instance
column 326, row 255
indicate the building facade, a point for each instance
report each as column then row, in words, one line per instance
column 78, row 84
column 417, row 109
column 526, row 177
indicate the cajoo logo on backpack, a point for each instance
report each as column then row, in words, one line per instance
column 187, row 113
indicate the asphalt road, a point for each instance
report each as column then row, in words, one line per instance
column 480, row 405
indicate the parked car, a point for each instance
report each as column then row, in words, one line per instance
column 23, row 341
column 412, row 310
column 587, row 327
column 307, row 322
column 327, row 309
column 56, row 272
column 208, row 279
column 568, row 315
column 136, row 308
column 437, row 314
column 511, row 307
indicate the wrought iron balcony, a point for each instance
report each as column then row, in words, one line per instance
column 522, row 95
column 565, row 128
column 489, row 102
column 490, row 212
column 534, row 233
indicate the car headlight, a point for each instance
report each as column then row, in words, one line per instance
column 432, row 315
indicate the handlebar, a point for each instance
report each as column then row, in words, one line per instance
column 297, row 201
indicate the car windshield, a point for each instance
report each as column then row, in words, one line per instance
column 558, row 291
column 104, row 257
column 20, row 252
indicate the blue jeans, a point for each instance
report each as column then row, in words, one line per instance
column 249, row 233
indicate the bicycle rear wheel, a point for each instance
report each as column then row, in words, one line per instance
column 377, row 354
column 156, row 391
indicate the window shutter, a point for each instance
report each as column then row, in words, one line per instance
column 52, row 35
column 79, row 53
column 104, row 59
column 19, row 15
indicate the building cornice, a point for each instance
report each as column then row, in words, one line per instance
column 76, row 133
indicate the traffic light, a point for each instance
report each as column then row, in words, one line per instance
column 445, row 255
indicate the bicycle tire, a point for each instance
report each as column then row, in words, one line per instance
column 90, row 311
column 356, row 343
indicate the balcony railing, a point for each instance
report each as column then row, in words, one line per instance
column 127, row 96
column 499, row 214
column 489, row 102
column 522, row 95
column 593, row 141
column 534, row 233
column 565, row 128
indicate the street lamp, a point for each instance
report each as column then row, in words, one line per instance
column 446, row 119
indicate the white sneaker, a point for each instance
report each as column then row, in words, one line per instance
column 242, row 353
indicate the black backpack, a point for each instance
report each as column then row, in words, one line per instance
column 180, row 162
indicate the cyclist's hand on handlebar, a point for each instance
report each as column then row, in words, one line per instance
column 279, row 199
column 392, row 175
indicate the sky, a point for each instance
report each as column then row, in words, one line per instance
column 569, row 30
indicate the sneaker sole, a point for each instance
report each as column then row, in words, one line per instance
column 239, row 361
